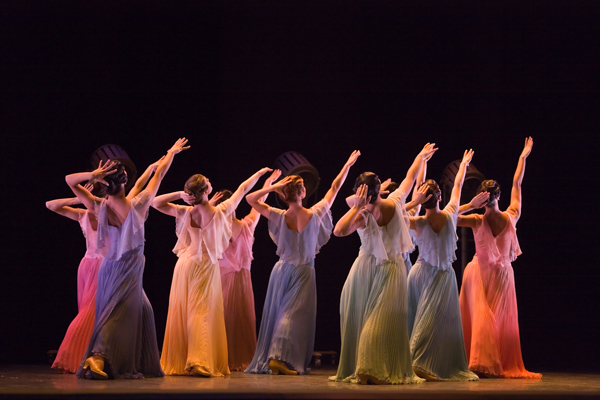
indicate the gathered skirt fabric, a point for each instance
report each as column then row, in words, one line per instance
column 124, row 330
column 78, row 334
column 490, row 321
column 240, row 318
column 434, row 323
column 373, row 315
column 287, row 328
column 195, row 335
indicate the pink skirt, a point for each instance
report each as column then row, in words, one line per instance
column 488, row 305
column 78, row 334
column 240, row 319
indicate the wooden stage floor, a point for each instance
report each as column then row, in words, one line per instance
column 40, row 382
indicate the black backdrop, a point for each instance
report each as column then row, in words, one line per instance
column 248, row 81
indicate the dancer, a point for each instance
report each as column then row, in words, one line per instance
column 78, row 334
column 287, row 330
column 434, row 326
column 373, row 302
column 488, row 301
column 238, row 297
column 195, row 337
column 123, row 342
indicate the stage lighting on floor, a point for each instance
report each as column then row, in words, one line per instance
column 294, row 163
column 114, row 152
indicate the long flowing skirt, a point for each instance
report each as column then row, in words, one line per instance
column 80, row 330
column 195, row 335
column 287, row 328
column 240, row 318
column 434, row 324
column 124, row 330
column 488, row 304
column 373, row 310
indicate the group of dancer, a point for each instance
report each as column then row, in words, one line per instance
column 399, row 324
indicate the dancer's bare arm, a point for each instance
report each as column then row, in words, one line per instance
column 254, row 215
column 164, row 166
column 254, row 198
column 459, row 179
column 143, row 179
column 353, row 219
column 164, row 202
column 424, row 155
column 74, row 181
column 339, row 180
column 63, row 206
column 515, row 194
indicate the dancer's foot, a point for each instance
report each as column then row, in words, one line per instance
column 199, row 371
column 279, row 367
column 425, row 375
column 96, row 366
column 366, row 379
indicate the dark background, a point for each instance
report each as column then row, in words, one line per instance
column 248, row 81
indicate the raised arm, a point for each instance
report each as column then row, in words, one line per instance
column 414, row 206
column 515, row 194
column 163, row 203
column 245, row 187
column 164, row 166
column 143, row 179
column 460, row 176
column 255, row 198
column 63, row 207
column 339, row 180
column 478, row 201
column 353, row 219
column 254, row 215
column 74, row 181
column 424, row 155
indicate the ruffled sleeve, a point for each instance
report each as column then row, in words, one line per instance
column 102, row 218
column 182, row 221
column 217, row 233
column 276, row 218
column 515, row 249
column 322, row 212
column 371, row 239
column 140, row 208
column 402, row 243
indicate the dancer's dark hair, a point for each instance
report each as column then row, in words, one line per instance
column 196, row 186
column 433, row 189
column 115, row 180
column 225, row 194
column 390, row 188
column 373, row 184
column 492, row 187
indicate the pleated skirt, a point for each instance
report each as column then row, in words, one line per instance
column 373, row 309
column 490, row 320
column 434, row 324
column 240, row 318
column 78, row 334
column 287, row 328
column 124, row 329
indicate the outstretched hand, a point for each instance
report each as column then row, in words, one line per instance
column 188, row 198
column 269, row 181
column 179, row 146
column 102, row 171
column 361, row 197
column 352, row 159
column 384, row 185
column 428, row 150
column 421, row 194
column 467, row 157
column 215, row 199
column 527, row 148
column 278, row 187
column 480, row 200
